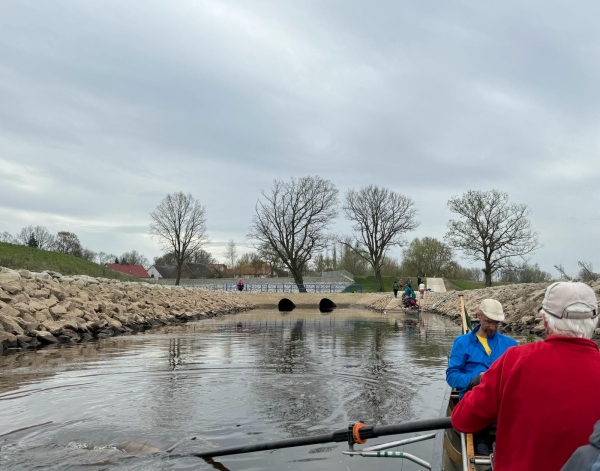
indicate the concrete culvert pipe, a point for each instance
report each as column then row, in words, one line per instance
column 286, row 305
column 326, row 305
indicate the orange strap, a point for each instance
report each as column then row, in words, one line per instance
column 356, row 433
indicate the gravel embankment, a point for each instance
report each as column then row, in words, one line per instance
column 38, row 309
column 520, row 302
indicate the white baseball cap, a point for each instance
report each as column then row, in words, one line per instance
column 564, row 294
column 492, row 309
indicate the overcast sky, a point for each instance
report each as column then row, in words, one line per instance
column 107, row 106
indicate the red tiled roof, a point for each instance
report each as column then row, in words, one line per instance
column 133, row 270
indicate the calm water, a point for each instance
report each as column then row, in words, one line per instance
column 252, row 377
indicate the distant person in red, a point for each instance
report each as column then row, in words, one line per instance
column 543, row 396
column 240, row 285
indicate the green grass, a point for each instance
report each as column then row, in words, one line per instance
column 464, row 285
column 369, row 283
column 18, row 256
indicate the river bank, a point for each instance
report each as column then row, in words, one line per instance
column 520, row 302
column 38, row 309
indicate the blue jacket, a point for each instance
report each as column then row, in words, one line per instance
column 468, row 357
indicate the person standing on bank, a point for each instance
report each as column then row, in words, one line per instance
column 473, row 353
column 422, row 289
column 543, row 396
column 395, row 287
column 240, row 285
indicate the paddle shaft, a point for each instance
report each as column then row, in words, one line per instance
column 337, row 436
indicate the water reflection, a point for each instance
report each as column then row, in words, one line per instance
column 252, row 377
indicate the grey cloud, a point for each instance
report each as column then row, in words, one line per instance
column 107, row 107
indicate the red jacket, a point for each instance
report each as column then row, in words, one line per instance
column 544, row 398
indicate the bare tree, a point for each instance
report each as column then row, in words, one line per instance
column 350, row 260
column 88, row 254
column 562, row 272
column 586, row 272
column 179, row 222
column 8, row 238
column 380, row 218
column 231, row 254
column 291, row 220
column 134, row 258
column 491, row 229
column 202, row 256
column 68, row 243
column 42, row 236
column 102, row 258
column 427, row 257
column 166, row 260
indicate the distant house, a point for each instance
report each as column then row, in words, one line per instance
column 157, row 272
column 218, row 267
column 133, row 270
column 189, row 270
column 248, row 272
column 196, row 270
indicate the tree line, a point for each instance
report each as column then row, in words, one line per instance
column 66, row 242
column 291, row 227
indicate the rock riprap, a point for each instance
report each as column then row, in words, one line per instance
column 520, row 302
column 38, row 309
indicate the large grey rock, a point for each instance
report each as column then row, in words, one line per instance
column 45, row 337
column 11, row 287
column 5, row 297
column 41, row 276
column 9, row 276
column 58, row 294
column 25, row 273
column 58, row 310
column 10, row 325
column 7, row 340
column 9, row 310
column 53, row 274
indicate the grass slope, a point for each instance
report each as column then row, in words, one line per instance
column 369, row 283
column 19, row 256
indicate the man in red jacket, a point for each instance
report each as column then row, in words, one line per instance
column 543, row 396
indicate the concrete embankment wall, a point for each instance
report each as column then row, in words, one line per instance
column 520, row 302
column 47, row 308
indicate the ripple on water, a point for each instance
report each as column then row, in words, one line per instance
column 140, row 402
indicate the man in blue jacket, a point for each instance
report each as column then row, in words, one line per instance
column 473, row 353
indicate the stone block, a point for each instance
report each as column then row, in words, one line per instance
column 36, row 305
column 55, row 328
column 11, row 287
column 46, row 337
column 40, row 293
column 5, row 297
column 58, row 294
column 42, row 315
column 9, row 276
column 58, row 310
column 51, row 301
column 10, row 325
column 9, row 310
column 7, row 340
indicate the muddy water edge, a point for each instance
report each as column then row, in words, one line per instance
column 142, row 401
